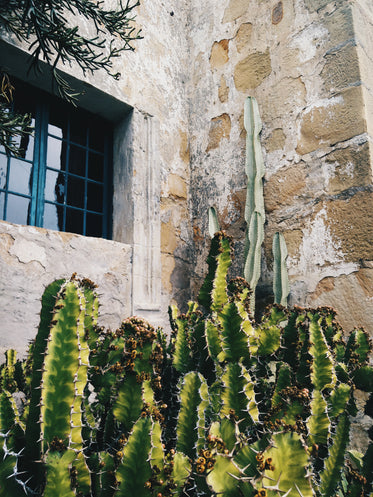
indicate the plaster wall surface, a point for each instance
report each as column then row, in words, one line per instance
column 180, row 148
column 308, row 65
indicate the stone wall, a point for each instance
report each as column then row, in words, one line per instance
column 181, row 149
column 308, row 63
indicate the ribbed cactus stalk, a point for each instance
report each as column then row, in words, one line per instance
column 281, row 286
column 278, row 394
column 255, row 409
column 254, row 209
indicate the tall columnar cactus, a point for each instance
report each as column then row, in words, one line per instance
column 254, row 208
column 281, row 286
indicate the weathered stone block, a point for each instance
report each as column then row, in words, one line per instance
column 223, row 90
column 350, row 222
column 219, row 54
column 220, row 127
column 252, row 70
column 235, row 9
column 334, row 120
column 177, row 186
column 275, row 141
column 348, row 167
column 341, row 68
column 243, row 37
column 283, row 186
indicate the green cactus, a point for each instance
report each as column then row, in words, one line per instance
column 281, row 286
column 254, row 209
column 254, row 409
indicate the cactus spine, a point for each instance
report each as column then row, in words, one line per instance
column 255, row 409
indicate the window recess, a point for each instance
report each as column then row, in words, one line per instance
column 63, row 178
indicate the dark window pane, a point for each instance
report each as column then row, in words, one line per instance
column 74, row 221
column 55, row 186
column 75, row 192
column 93, row 225
column 58, row 118
column 97, row 136
column 17, row 209
column 77, row 159
column 56, row 153
column 25, row 144
column 3, row 168
column 96, row 167
column 78, row 129
column 53, row 217
column 94, row 197
column 20, row 176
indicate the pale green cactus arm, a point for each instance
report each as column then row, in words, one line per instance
column 254, row 209
column 281, row 287
column 214, row 226
column 182, row 360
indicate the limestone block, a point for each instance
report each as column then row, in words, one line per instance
column 177, row 186
column 223, row 90
column 350, row 294
column 184, row 147
column 284, row 186
column 348, row 167
column 168, row 264
column 332, row 121
column 219, row 54
column 275, row 141
column 285, row 97
column 169, row 238
column 235, row 9
column 220, row 127
column 341, row 68
column 350, row 222
column 243, row 37
column 252, row 70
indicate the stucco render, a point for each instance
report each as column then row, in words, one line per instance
column 309, row 64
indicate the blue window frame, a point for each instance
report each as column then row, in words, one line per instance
column 63, row 180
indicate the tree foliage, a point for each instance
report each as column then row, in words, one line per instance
column 55, row 32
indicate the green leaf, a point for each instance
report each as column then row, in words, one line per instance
column 331, row 474
column 238, row 394
column 220, row 479
column 226, row 430
column 61, row 371
column 134, row 470
column 213, row 339
column 182, row 354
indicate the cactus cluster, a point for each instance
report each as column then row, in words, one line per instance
column 87, row 421
column 225, row 407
